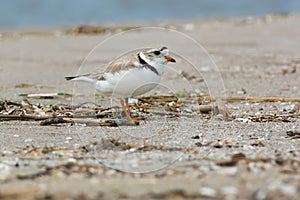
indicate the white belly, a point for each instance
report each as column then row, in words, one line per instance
column 128, row 83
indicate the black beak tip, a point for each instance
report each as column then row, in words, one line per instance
column 173, row 60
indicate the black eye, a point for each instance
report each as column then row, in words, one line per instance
column 156, row 52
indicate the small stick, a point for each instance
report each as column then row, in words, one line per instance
column 263, row 99
column 88, row 122
column 253, row 99
column 18, row 193
column 23, row 117
column 45, row 95
column 152, row 99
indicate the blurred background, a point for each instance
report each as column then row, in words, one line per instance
column 55, row 13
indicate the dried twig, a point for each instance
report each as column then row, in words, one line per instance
column 17, row 193
column 268, row 118
column 152, row 99
column 23, row 117
column 252, row 99
column 86, row 121
column 46, row 95
column 263, row 99
column 90, row 122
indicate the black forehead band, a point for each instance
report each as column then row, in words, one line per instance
column 163, row 48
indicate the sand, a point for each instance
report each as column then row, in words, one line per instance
column 228, row 158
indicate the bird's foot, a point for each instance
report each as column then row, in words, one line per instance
column 132, row 118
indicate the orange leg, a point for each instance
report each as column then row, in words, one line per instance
column 127, row 104
column 126, row 109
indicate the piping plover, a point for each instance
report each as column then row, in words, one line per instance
column 130, row 75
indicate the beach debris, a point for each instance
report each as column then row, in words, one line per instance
column 205, row 108
column 171, row 194
column 199, row 136
column 46, row 95
column 96, row 30
column 91, row 114
column 31, row 173
column 257, row 143
column 242, row 91
column 293, row 134
column 227, row 142
column 295, row 109
column 261, row 99
column 18, row 193
column 114, row 144
column 88, row 122
column 158, row 99
column 289, row 69
column 266, row 118
column 235, row 158
column 24, row 85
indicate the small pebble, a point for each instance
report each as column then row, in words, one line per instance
column 260, row 194
column 208, row 192
column 133, row 101
column 196, row 136
column 230, row 171
column 7, row 153
column 28, row 140
column 285, row 69
column 69, row 138
column 243, row 120
column 132, row 149
column 188, row 110
column 71, row 160
column 205, row 69
column 4, row 171
column 242, row 91
column 76, row 146
column 205, row 108
column 289, row 190
column 229, row 190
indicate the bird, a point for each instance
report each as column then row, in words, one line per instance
column 129, row 75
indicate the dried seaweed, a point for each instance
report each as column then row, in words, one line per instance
column 21, row 193
column 94, row 115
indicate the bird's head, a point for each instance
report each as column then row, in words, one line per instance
column 157, row 56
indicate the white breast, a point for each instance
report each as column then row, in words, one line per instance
column 129, row 83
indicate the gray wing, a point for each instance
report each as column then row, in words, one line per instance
column 123, row 63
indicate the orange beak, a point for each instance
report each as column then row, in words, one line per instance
column 170, row 59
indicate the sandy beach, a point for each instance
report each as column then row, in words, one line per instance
column 237, row 156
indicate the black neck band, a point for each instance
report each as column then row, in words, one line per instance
column 144, row 63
